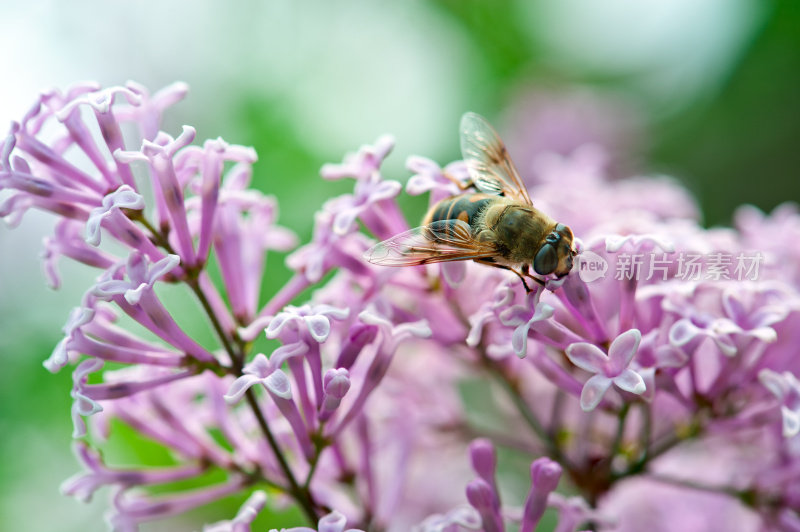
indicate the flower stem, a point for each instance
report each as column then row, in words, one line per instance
column 236, row 356
column 300, row 493
column 513, row 392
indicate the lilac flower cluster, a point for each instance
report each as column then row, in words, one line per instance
column 391, row 388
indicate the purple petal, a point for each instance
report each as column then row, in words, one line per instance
column 85, row 368
column 630, row 381
column 623, row 348
column 519, row 340
column 249, row 511
column 344, row 220
column 765, row 334
column 791, row 422
column 136, row 268
column 78, row 424
column 385, row 190
column 162, row 267
column 587, row 356
column 543, row 312
column 251, row 332
column 105, row 290
column 726, row 345
column 239, row 387
column 333, row 522
column 134, row 295
column 93, row 229
column 318, row 326
column 515, row 315
column 259, row 367
column 774, row 382
column 86, row 406
column 668, row 356
column 59, row 358
column 477, row 322
column 419, row 329
column 649, row 377
column 124, row 197
column 593, row 392
column 683, row 332
column 330, row 310
column 285, row 352
column 768, row 315
column 277, row 323
column 734, row 307
column 278, row 383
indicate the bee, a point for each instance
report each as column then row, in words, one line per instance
column 497, row 225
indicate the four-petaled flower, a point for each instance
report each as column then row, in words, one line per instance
column 312, row 435
column 607, row 369
column 141, row 277
column 260, row 371
column 522, row 317
column 122, row 198
column 316, row 320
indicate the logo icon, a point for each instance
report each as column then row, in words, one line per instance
column 591, row 266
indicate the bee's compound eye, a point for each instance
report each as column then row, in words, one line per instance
column 546, row 260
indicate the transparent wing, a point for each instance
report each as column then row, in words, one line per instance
column 440, row 241
column 490, row 167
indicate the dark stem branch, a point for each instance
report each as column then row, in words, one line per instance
column 300, row 493
column 237, row 354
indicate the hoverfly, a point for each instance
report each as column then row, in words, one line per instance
column 497, row 225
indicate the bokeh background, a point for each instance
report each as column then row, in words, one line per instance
column 707, row 91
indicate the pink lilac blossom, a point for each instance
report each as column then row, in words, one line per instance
column 393, row 395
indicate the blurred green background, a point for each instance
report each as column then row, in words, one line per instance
column 707, row 91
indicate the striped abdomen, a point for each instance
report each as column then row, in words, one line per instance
column 465, row 208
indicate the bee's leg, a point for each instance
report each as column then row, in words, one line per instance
column 526, row 272
column 490, row 262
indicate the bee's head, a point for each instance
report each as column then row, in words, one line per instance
column 556, row 252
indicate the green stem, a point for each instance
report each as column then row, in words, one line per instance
column 236, row 356
column 300, row 493
column 622, row 416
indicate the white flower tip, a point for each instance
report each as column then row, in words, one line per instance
column 772, row 381
column 93, row 232
column 791, row 422
column 371, row 318
column 232, row 399
column 543, row 312
column 59, row 358
column 133, row 296
column 127, row 157
column 615, row 242
column 420, row 329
